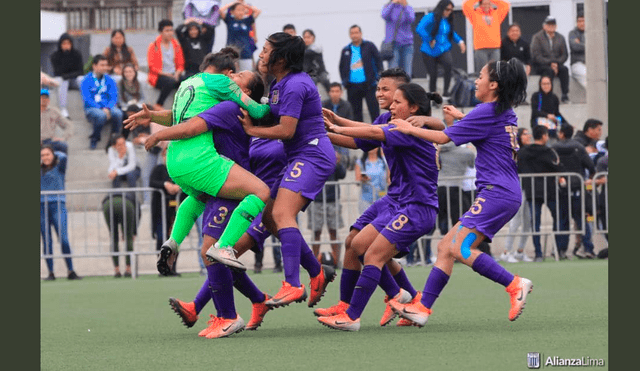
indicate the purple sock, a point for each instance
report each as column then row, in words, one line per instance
column 308, row 261
column 403, row 281
column 387, row 283
column 203, row 296
column 221, row 282
column 245, row 285
column 348, row 281
column 291, row 240
column 210, row 273
column 486, row 266
column 366, row 285
column 436, row 281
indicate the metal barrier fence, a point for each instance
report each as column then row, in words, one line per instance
column 90, row 232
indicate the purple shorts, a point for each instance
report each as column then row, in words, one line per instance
column 216, row 216
column 306, row 173
column 259, row 233
column 380, row 211
column 489, row 214
column 408, row 224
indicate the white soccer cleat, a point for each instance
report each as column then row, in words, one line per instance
column 226, row 256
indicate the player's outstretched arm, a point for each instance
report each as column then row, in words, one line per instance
column 339, row 120
column 145, row 116
column 188, row 129
column 370, row 132
column 430, row 122
column 434, row 136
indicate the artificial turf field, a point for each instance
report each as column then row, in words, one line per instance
column 133, row 328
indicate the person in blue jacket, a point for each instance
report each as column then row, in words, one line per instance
column 100, row 96
column 438, row 36
column 53, row 209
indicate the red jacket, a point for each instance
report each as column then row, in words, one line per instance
column 154, row 59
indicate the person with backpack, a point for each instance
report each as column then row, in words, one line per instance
column 436, row 31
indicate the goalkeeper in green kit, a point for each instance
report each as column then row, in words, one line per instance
column 195, row 165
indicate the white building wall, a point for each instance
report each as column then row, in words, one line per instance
column 52, row 25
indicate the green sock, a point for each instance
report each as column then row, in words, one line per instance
column 189, row 210
column 240, row 220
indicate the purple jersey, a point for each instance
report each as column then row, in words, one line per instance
column 267, row 159
column 229, row 137
column 393, row 191
column 297, row 96
column 494, row 137
column 412, row 165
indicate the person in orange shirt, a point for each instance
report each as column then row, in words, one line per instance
column 485, row 17
column 166, row 62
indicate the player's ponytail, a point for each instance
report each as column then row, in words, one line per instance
column 512, row 83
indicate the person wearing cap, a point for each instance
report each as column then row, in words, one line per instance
column 50, row 119
column 485, row 17
column 549, row 53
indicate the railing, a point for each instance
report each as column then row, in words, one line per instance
column 108, row 15
column 90, row 235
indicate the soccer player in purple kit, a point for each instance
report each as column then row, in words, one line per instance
column 414, row 162
column 231, row 141
column 297, row 110
column 389, row 81
column 492, row 128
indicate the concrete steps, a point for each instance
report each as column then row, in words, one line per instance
column 87, row 169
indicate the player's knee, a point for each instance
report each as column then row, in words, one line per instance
column 282, row 216
column 462, row 250
column 263, row 192
column 444, row 248
column 349, row 239
column 358, row 247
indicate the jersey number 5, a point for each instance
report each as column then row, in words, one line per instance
column 296, row 171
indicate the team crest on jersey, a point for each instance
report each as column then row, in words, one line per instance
column 274, row 97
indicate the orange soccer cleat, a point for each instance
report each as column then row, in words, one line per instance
column 257, row 314
column 186, row 311
column 212, row 324
column 339, row 308
column 226, row 327
column 414, row 311
column 402, row 297
column 319, row 284
column 518, row 290
column 287, row 295
column 341, row 322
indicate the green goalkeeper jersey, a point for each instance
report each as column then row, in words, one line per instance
column 195, row 95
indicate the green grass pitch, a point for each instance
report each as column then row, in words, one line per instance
column 133, row 328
